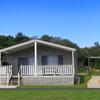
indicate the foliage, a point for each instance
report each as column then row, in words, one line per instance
column 81, row 69
column 59, row 40
column 97, row 64
column 6, row 41
column 86, row 52
column 95, row 72
column 20, row 37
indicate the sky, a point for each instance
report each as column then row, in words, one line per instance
column 76, row 20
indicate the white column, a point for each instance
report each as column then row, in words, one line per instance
column 73, row 63
column 7, row 78
column 0, row 58
column 35, row 58
column 89, row 64
column 0, row 68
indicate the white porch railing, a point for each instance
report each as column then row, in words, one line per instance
column 43, row 70
column 5, row 73
column 27, row 70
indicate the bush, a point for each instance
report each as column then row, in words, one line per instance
column 97, row 65
column 82, row 69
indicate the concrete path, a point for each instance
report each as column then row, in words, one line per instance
column 52, row 89
column 94, row 82
column 7, row 87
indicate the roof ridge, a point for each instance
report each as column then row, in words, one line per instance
column 38, row 41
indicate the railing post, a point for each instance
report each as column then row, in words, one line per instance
column 35, row 58
column 18, row 79
column 54, row 67
column 21, row 70
column 7, row 75
column 11, row 70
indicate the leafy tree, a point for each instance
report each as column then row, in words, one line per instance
column 20, row 37
column 59, row 40
column 6, row 41
column 96, row 45
column 46, row 38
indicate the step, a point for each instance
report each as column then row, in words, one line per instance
column 7, row 87
column 14, row 80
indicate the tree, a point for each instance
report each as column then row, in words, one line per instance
column 96, row 45
column 46, row 38
column 20, row 37
column 59, row 40
column 6, row 41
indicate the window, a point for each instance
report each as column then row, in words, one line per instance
column 23, row 61
column 44, row 60
column 52, row 60
column 60, row 60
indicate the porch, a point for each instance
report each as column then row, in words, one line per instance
column 30, row 71
column 39, row 60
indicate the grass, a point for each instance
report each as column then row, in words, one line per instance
column 95, row 72
column 49, row 95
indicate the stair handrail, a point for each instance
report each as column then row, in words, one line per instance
column 19, row 76
column 9, row 73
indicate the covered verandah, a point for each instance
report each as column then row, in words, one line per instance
column 37, row 70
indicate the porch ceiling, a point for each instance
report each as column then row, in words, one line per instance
column 30, row 43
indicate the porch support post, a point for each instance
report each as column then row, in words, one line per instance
column 0, row 58
column 73, row 62
column 0, row 68
column 89, row 65
column 35, row 58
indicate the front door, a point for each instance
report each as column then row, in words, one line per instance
column 23, row 61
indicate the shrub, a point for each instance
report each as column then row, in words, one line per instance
column 82, row 69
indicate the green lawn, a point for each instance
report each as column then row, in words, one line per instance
column 49, row 95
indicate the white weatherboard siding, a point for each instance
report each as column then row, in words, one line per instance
column 31, row 60
column 13, row 58
column 48, row 51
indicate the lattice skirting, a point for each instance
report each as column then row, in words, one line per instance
column 47, row 80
